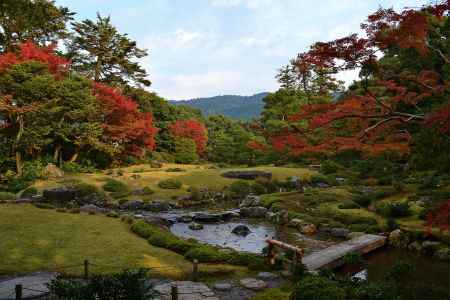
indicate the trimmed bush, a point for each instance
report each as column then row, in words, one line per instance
column 394, row 210
column 147, row 191
column 315, row 287
column 170, row 184
column 364, row 200
column 115, row 186
column 167, row 240
column 207, row 254
column 348, row 205
column 7, row 196
column 240, row 189
column 329, row 167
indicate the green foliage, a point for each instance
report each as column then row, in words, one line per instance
column 348, row 205
column 31, row 191
column 44, row 205
column 129, row 284
column 329, row 167
column 115, row 186
column 206, row 254
column 185, row 151
column 240, row 189
column 315, row 287
column 170, row 184
column 393, row 210
column 364, row 200
column 315, row 179
column 175, row 170
column 147, row 191
column 7, row 196
column 352, row 258
column 73, row 167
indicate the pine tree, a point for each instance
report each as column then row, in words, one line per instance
column 103, row 54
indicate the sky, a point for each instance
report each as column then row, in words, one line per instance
column 202, row 48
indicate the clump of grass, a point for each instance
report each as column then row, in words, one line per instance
column 117, row 188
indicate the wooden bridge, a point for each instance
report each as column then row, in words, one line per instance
column 331, row 257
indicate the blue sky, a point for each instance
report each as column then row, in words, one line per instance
column 201, row 48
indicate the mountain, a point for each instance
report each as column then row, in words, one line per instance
column 233, row 106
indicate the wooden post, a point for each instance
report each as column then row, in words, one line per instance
column 195, row 270
column 174, row 292
column 19, row 292
column 86, row 269
column 271, row 254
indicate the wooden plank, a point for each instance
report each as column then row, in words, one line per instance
column 332, row 257
column 285, row 246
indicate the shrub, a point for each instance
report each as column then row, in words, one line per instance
column 167, row 240
column 394, row 210
column 364, row 200
column 352, row 258
column 7, row 196
column 315, row 179
column 392, row 224
column 207, row 254
column 315, row 287
column 74, row 211
column 61, row 210
column 348, row 205
column 73, row 167
column 175, row 170
column 117, row 188
column 429, row 183
column 258, row 188
column 170, row 184
column 147, row 191
column 239, row 189
column 329, row 167
column 185, row 151
column 143, row 229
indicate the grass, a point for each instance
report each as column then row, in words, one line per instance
column 281, row 293
column 34, row 239
column 195, row 175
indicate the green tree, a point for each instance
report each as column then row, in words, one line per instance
column 100, row 52
column 40, row 21
column 185, row 151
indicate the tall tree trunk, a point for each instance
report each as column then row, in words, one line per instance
column 57, row 153
column 74, row 157
column 19, row 164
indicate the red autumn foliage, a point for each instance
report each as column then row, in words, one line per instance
column 440, row 218
column 257, row 146
column 191, row 129
column 376, row 120
column 123, row 124
column 28, row 51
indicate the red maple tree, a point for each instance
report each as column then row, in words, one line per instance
column 191, row 129
column 124, row 126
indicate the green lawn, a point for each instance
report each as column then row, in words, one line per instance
column 194, row 175
column 35, row 239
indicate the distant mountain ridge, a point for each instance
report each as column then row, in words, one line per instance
column 233, row 106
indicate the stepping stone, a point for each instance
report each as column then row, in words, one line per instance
column 253, row 284
column 267, row 276
column 222, row 286
column 34, row 286
column 187, row 290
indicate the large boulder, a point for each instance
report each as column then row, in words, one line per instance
column 52, row 171
column 340, row 232
column 132, row 205
column 208, row 218
column 253, row 212
column 253, row 284
column 251, row 201
column 247, row 175
column 60, row 195
column 91, row 208
column 157, row 206
column 241, row 230
column 399, row 239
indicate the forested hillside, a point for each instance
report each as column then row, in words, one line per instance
column 232, row 106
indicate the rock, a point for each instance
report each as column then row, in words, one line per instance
column 241, row 230
column 188, row 290
column 253, row 212
column 91, row 208
column 132, row 205
column 247, row 175
column 185, row 219
column 415, row 246
column 59, row 195
column 251, row 201
column 286, row 274
column 267, row 276
column 52, row 171
column 195, row 226
column 296, row 223
column 309, row 229
column 37, row 284
column 430, row 247
column 208, row 218
column 157, row 221
column 222, row 286
column 443, row 254
column 398, row 239
column 253, row 284
column 340, row 232
column 157, row 206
